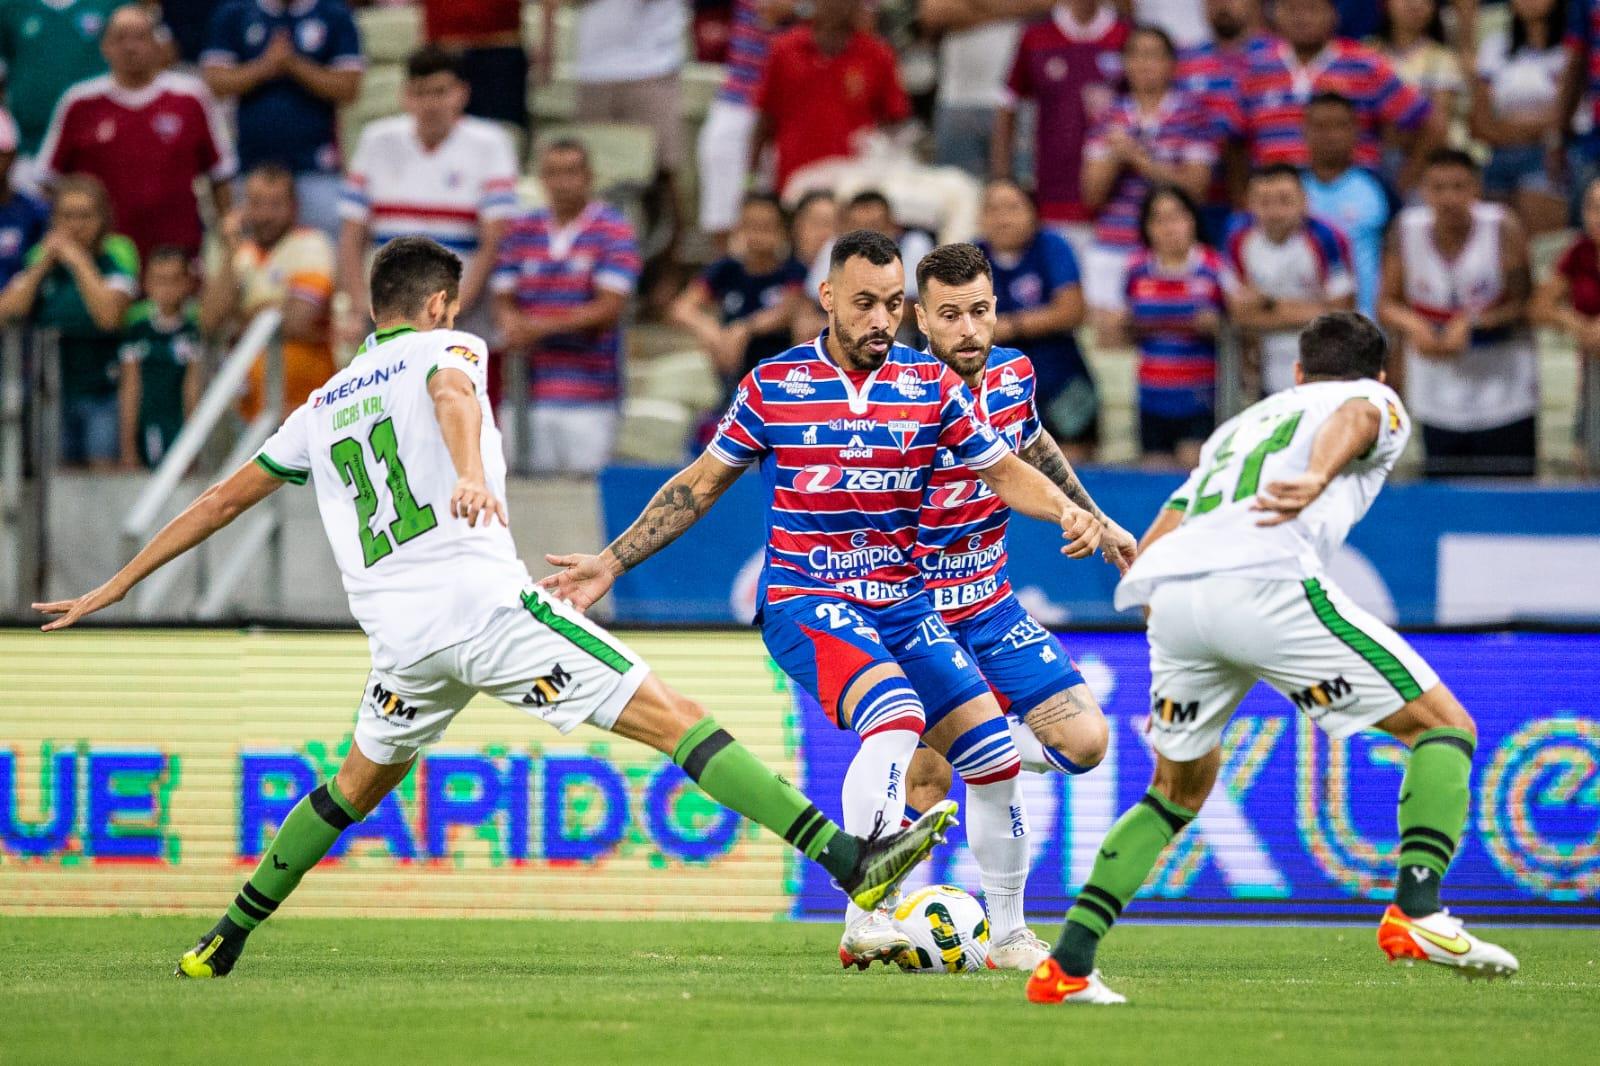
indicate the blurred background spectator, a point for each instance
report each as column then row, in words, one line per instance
column 23, row 217
column 1456, row 282
column 815, row 222
column 977, row 39
column 78, row 283
column 433, row 170
column 562, row 284
column 1411, row 37
column 1352, row 198
column 149, row 135
column 1038, row 305
column 1516, row 110
column 47, row 47
column 486, row 38
column 1569, row 298
column 1211, row 72
column 289, row 64
column 269, row 258
column 160, row 360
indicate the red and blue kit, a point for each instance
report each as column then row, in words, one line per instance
column 961, row 550
column 846, row 458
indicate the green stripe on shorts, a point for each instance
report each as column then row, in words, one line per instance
column 1380, row 658
column 578, row 635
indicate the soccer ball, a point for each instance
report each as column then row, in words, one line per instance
column 948, row 930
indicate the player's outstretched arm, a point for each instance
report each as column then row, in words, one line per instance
column 455, row 405
column 676, row 507
column 1345, row 437
column 1024, row 489
column 1045, row 456
column 216, row 507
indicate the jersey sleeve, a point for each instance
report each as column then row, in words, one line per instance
column 741, row 437
column 221, row 47
column 497, row 197
column 1399, row 104
column 1061, row 263
column 970, row 438
column 344, row 41
column 287, row 453
column 1184, row 494
column 1019, row 83
column 1032, row 424
column 354, row 203
column 1394, row 424
column 218, row 153
column 466, row 353
column 619, row 265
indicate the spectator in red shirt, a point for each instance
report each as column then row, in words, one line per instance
column 1069, row 64
column 146, row 134
column 1569, row 299
column 824, row 83
column 487, row 35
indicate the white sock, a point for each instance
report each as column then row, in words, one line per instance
column 874, row 790
column 997, row 832
column 1030, row 749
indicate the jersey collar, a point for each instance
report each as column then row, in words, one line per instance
column 377, row 338
column 857, row 397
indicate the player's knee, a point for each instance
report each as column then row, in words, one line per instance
column 1076, row 745
column 985, row 754
column 887, row 702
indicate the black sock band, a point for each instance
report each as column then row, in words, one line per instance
column 328, row 809
column 695, row 759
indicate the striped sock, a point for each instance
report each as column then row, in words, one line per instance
column 1433, row 811
column 302, row 841
column 733, row 777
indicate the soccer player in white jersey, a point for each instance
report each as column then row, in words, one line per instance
column 402, row 451
column 1233, row 577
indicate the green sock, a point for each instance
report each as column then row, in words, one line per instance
column 302, row 841
column 1127, row 855
column 1433, row 811
column 733, row 777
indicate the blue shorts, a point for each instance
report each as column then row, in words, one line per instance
column 824, row 643
column 1024, row 664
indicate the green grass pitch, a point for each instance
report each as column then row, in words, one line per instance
column 401, row 992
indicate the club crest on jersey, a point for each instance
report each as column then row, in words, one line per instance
column 797, row 382
column 903, row 432
column 909, row 385
column 464, row 352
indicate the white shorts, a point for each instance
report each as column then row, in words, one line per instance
column 572, row 439
column 543, row 657
column 1105, row 278
column 1213, row 637
column 724, row 155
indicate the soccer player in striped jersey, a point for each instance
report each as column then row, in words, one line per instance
column 845, row 430
column 1232, row 577
column 403, row 454
column 1055, row 722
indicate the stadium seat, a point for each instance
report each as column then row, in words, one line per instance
column 389, row 34
column 380, row 97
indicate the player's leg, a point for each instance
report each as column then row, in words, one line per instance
column 400, row 712
column 1348, row 671
column 927, row 782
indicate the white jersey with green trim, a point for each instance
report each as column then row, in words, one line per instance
column 1269, row 442
column 369, row 441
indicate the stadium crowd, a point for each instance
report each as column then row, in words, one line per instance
column 1185, row 177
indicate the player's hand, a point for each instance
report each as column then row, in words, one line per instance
column 472, row 498
column 1119, row 547
column 73, row 610
column 584, row 580
column 1082, row 532
column 1287, row 498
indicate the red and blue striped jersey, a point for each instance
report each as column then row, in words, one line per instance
column 845, row 459
column 748, row 43
column 549, row 268
column 1211, row 74
column 1275, row 89
column 1583, row 36
column 1177, row 361
column 1179, row 133
column 961, row 546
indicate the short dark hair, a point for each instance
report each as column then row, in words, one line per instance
column 1145, row 29
column 1277, row 170
column 1343, row 345
column 1332, row 98
column 431, row 59
column 568, row 144
column 1450, row 157
column 870, row 245
column 1147, row 208
column 869, row 198
column 765, row 199
column 953, row 264
column 407, row 271
column 276, row 173
column 169, row 253
column 812, row 197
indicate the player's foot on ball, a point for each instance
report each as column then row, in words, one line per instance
column 1051, row 984
column 1019, row 951
column 871, row 938
column 215, row 954
column 1440, row 938
column 886, row 860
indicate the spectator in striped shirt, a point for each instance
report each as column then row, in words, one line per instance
column 561, row 285
column 434, row 171
column 1154, row 135
column 1212, row 72
column 1283, row 74
column 1175, row 298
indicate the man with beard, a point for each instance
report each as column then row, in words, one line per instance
column 1056, row 724
column 846, row 430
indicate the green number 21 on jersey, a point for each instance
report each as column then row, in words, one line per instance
column 1277, row 434
column 411, row 519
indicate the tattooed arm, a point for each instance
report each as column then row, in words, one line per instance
column 1044, row 455
column 676, row 507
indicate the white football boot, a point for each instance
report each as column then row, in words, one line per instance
column 1019, row 951
column 1442, row 939
column 1051, row 984
column 871, row 938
